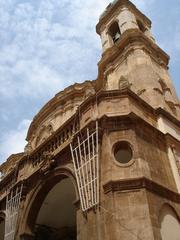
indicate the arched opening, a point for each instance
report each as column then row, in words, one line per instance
column 2, row 225
column 170, row 225
column 56, row 219
column 114, row 32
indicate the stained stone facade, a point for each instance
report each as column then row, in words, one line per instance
column 138, row 112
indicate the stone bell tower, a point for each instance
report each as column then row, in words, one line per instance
column 141, row 145
column 132, row 57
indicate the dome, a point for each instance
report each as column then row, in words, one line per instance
column 57, row 111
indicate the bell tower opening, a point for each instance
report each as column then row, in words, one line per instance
column 57, row 216
column 114, row 32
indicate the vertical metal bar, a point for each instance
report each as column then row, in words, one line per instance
column 13, row 203
column 94, row 169
column 97, row 161
column 87, row 170
column 88, row 140
column 81, row 179
column 6, row 224
column 91, row 179
column 77, row 178
column 11, row 210
column 82, row 169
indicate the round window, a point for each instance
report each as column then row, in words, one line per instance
column 123, row 152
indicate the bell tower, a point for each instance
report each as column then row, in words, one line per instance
column 132, row 58
column 140, row 151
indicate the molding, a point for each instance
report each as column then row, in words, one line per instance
column 168, row 116
column 141, row 183
column 171, row 140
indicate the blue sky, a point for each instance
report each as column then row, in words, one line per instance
column 47, row 45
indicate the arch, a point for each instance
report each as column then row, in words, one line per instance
column 169, row 223
column 39, row 194
column 114, row 31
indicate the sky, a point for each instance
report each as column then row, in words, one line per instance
column 47, row 45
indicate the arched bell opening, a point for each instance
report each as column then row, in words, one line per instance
column 114, row 32
column 2, row 225
column 52, row 215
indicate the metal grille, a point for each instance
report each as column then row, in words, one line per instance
column 86, row 164
column 12, row 209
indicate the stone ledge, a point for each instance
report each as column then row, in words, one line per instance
column 140, row 183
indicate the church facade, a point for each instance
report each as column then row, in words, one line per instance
column 103, row 156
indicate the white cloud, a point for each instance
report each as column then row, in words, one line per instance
column 39, row 44
column 39, row 49
column 14, row 141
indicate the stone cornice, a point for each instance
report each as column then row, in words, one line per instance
column 127, row 43
column 141, row 183
column 168, row 116
column 172, row 140
column 114, row 7
column 12, row 159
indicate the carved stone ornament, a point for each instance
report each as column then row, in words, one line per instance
column 47, row 163
column 124, row 83
column 141, row 91
column 89, row 92
column 158, row 90
column 28, row 148
column 50, row 128
column 166, row 92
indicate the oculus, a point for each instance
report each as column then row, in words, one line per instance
column 123, row 152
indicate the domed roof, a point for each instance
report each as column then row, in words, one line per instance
column 58, row 110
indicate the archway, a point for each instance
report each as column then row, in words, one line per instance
column 170, row 225
column 56, row 218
